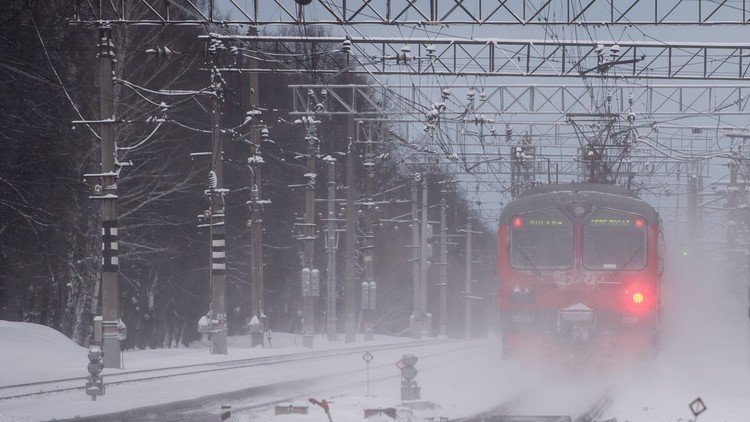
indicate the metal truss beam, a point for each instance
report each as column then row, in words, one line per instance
column 542, row 99
column 643, row 165
column 527, row 58
column 416, row 12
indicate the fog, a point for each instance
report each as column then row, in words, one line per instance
column 704, row 353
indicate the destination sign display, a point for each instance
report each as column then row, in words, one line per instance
column 638, row 223
column 611, row 222
column 538, row 222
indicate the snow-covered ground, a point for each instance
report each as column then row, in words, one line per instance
column 55, row 356
column 35, row 353
column 32, row 352
column 462, row 378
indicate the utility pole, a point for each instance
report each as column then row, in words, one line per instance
column 215, row 193
column 732, row 202
column 443, row 269
column 416, row 317
column 424, row 263
column 312, row 290
column 110, row 265
column 692, row 216
column 467, row 284
column 255, row 203
column 369, row 244
column 331, row 250
column 350, row 312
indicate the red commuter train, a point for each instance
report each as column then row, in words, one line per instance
column 580, row 268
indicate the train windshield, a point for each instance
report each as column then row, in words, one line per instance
column 614, row 240
column 541, row 240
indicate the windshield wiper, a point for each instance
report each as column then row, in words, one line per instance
column 637, row 251
column 515, row 245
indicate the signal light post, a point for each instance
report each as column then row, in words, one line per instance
column 443, row 284
column 416, row 316
column 467, row 285
column 215, row 193
column 332, row 244
column 255, row 224
column 424, row 263
column 310, row 295
column 351, row 241
column 368, row 285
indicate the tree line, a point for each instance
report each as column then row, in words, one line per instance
column 49, row 228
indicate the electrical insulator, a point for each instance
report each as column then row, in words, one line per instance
column 431, row 51
column 346, row 46
column 405, row 56
column 614, row 51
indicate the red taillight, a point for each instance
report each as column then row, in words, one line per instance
column 517, row 222
column 637, row 297
column 639, row 223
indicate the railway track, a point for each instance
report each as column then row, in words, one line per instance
column 77, row 383
column 503, row 412
column 263, row 396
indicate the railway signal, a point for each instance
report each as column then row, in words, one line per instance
column 95, row 383
column 409, row 388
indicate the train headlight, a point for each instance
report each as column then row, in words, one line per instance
column 638, row 299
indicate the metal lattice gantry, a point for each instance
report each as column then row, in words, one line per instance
column 514, row 57
column 537, row 99
column 416, row 12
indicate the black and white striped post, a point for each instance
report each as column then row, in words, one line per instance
column 107, row 193
column 215, row 194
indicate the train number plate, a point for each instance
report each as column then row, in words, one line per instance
column 521, row 318
column 630, row 320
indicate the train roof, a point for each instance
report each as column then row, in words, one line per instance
column 559, row 195
column 579, row 187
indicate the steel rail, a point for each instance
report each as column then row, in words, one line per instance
column 203, row 368
column 186, row 408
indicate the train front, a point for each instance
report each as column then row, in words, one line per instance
column 579, row 274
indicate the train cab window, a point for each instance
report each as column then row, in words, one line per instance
column 541, row 240
column 614, row 240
